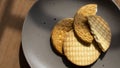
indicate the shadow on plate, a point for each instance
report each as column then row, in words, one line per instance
column 22, row 59
column 71, row 65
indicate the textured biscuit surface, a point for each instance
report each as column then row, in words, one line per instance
column 80, row 22
column 78, row 53
column 87, row 10
column 101, row 31
column 59, row 32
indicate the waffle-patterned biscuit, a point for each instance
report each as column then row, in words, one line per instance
column 78, row 53
column 87, row 10
column 80, row 22
column 101, row 31
column 59, row 32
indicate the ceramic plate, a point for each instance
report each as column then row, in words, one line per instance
column 43, row 16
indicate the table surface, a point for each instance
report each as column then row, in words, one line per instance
column 12, row 15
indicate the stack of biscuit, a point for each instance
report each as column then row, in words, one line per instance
column 83, row 38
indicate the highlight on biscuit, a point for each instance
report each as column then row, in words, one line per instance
column 59, row 32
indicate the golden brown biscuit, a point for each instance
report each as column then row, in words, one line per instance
column 78, row 53
column 80, row 22
column 101, row 31
column 59, row 32
column 87, row 10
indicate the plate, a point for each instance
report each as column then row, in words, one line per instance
column 46, row 13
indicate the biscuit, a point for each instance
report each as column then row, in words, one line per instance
column 78, row 53
column 101, row 31
column 87, row 10
column 59, row 32
column 80, row 22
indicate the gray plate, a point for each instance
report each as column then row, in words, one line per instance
column 40, row 21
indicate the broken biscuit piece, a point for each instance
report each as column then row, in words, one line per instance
column 80, row 22
column 101, row 31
